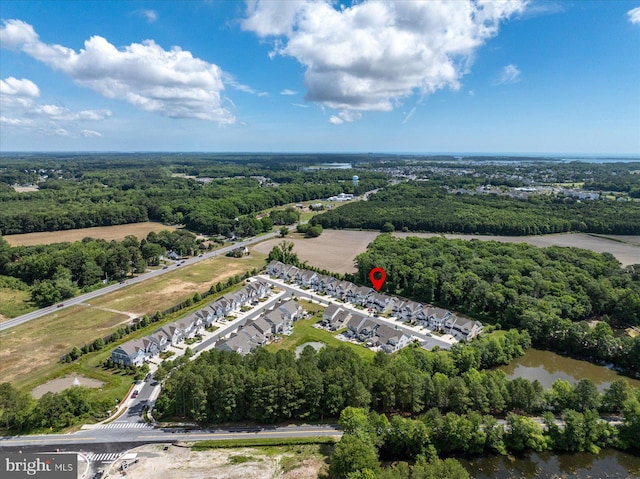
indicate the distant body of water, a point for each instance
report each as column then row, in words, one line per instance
column 608, row 464
column 546, row 367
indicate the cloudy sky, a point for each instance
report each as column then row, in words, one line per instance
column 425, row 76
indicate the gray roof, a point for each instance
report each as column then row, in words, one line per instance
column 290, row 306
column 131, row 347
column 261, row 325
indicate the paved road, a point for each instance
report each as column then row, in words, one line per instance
column 10, row 323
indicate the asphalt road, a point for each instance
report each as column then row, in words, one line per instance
column 83, row 298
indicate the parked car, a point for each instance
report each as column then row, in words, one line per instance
column 60, row 305
column 135, row 394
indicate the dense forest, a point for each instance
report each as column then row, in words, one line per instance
column 87, row 192
column 452, row 404
column 421, row 206
column 551, row 292
column 58, row 271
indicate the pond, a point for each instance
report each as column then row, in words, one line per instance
column 608, row 464
column 546, row 367
column 314, row 344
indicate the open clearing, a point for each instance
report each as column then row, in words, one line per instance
column 118, row 232
column 335, row 250
column 30, row 351
column 291, row 462
column 60, row 384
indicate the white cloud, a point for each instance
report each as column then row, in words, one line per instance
column 23, row 87
column 634, row 16
column 91, row 134
column 149, row 15
column 55, row 112
column 300, row 105
column 286, row 91
column 171, row 83
column 16, row 121
column 230, row 80
column 62, row 132
column 17, row 93
column 373, row 54
column 345, row 116
column 508, row 75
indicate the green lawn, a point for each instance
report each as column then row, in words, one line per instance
column 304, row 332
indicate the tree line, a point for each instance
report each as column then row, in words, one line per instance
column 270, row 387
column 554, row 293
column 370, row 438
column 420, row 206
column 80, row 194
column 59, row 271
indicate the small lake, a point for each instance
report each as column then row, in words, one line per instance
column 546, row 367
column 608, row 464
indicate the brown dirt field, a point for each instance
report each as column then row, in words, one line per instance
column 183, row 463
column 118, row 232
column 335, row 250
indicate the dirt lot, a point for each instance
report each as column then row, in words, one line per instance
column 296, row 462
column 140, row 230
column 336, row 250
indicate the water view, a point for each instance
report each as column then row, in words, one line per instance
column 546, row 367
column 608, row 464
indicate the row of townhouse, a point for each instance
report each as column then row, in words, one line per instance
column 259, row 331
column 423, row 314
column 364, row 329
column 136, row 351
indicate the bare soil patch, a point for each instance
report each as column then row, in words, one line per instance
column 244, row 463
column 60, row 384
column 335, row 250
column 25, row 189
column 118, row 232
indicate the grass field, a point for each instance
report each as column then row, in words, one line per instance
column 171, row 288
column 14, row 303
column 304, row 332
column 118, row 232
column 30, row 351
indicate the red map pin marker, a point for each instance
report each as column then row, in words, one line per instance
column 379, row 281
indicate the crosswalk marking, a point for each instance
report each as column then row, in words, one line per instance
column 104, row 457
column 126, row 425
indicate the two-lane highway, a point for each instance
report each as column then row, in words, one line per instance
column 84, row 298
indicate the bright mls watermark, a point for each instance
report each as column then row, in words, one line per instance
column 50, row 466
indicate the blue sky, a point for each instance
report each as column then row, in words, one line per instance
column 452, row 76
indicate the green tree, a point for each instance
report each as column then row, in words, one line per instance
column 354, row 453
